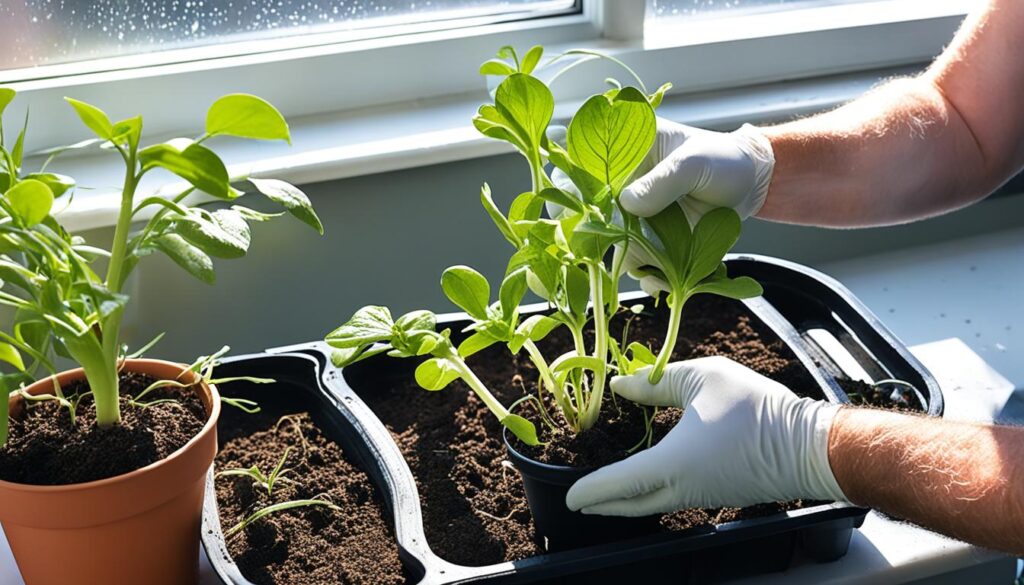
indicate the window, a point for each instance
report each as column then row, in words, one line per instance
column 660, row 9
column 50, row 32
column 695, row 22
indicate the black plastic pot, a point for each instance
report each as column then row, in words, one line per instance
column 798, row 305
column 557, row 527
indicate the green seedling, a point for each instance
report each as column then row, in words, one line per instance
column 260, row 479
column 574, row 261
column 203, row 368
column 267, row 482
column 275, row 508
column 61, row 304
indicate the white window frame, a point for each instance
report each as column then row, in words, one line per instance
column 423, row 86
column 422, row 65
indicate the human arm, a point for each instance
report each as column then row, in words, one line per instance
column 912, row 148
column 962, row 480
column 744, row 439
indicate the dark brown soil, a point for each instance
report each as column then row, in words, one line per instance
column 309, row 545
column 474, row 507
column 45, row 448
column 886, row 396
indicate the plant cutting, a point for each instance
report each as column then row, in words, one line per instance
column 573, row 260
column 266, row 482
column 135, row 508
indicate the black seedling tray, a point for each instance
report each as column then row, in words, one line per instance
column 798, row 304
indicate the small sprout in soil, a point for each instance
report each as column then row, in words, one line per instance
column 203, row 367
column 260, row 479
column 61, row 303
column 275, row 508
column 295, row 421
column 573, row 260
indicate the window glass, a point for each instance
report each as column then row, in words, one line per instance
column 49, row 32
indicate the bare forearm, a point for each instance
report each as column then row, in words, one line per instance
column 898, row 154
column 962, row 480
column 914, row 147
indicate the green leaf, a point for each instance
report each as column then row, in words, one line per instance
column 246, row 116
column 560, row 197
column 477, row 342
column 544, row 268
column 526, row 206
column 223, row 233
column 743, row 287
column 417, row 342
column 291, row 198
column 370, row 324
column 656, row 98
column 672, row 232
column 592, row 189
column 435, row 374
column 346, row 357
column 10, row 354
column 58, row 184
column 19, row 143
column 609, row 139
column 30, row 201
column 521, row 428
column 468, row 289
column 17, row 275
column 497, row 217
column 94, row 118
column 641, row 354
column 577, row 289
column 592, row 239
column 6, row 96
column 530, row 59
column 715, row 234
column 417, row 321
column 492, row 123
column 508, row 52
column 253, row 215
column 191, row 161
column 189, row 257
column 577, row 362
column 526, row 103
column 535, row 328
column 512, row 291
column 496, row 67
column 129, row 129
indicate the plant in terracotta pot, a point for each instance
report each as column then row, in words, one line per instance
column 572, row 259
column 106, row 463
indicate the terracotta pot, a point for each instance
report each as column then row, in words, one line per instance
column 138, row 528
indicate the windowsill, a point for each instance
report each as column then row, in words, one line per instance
column 423, row 133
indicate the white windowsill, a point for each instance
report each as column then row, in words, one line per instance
column 422, row 133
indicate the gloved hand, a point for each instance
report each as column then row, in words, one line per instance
column 743, row 440
column 700, row 170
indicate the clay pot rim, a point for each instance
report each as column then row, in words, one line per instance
column 212, row 416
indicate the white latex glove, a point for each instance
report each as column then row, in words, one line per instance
column 743, row 440
column 700, row 170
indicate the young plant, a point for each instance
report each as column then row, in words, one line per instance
column 203, row 367
column 267, row 482
column 564, row 259
column 275, row 508
column 61, row 302
column 262, row 480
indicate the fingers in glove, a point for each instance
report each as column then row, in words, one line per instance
column 635, row 476
column 670, row 179
column 657, row 502
column 678, row 387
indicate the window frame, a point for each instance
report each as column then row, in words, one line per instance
column 440, row 64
